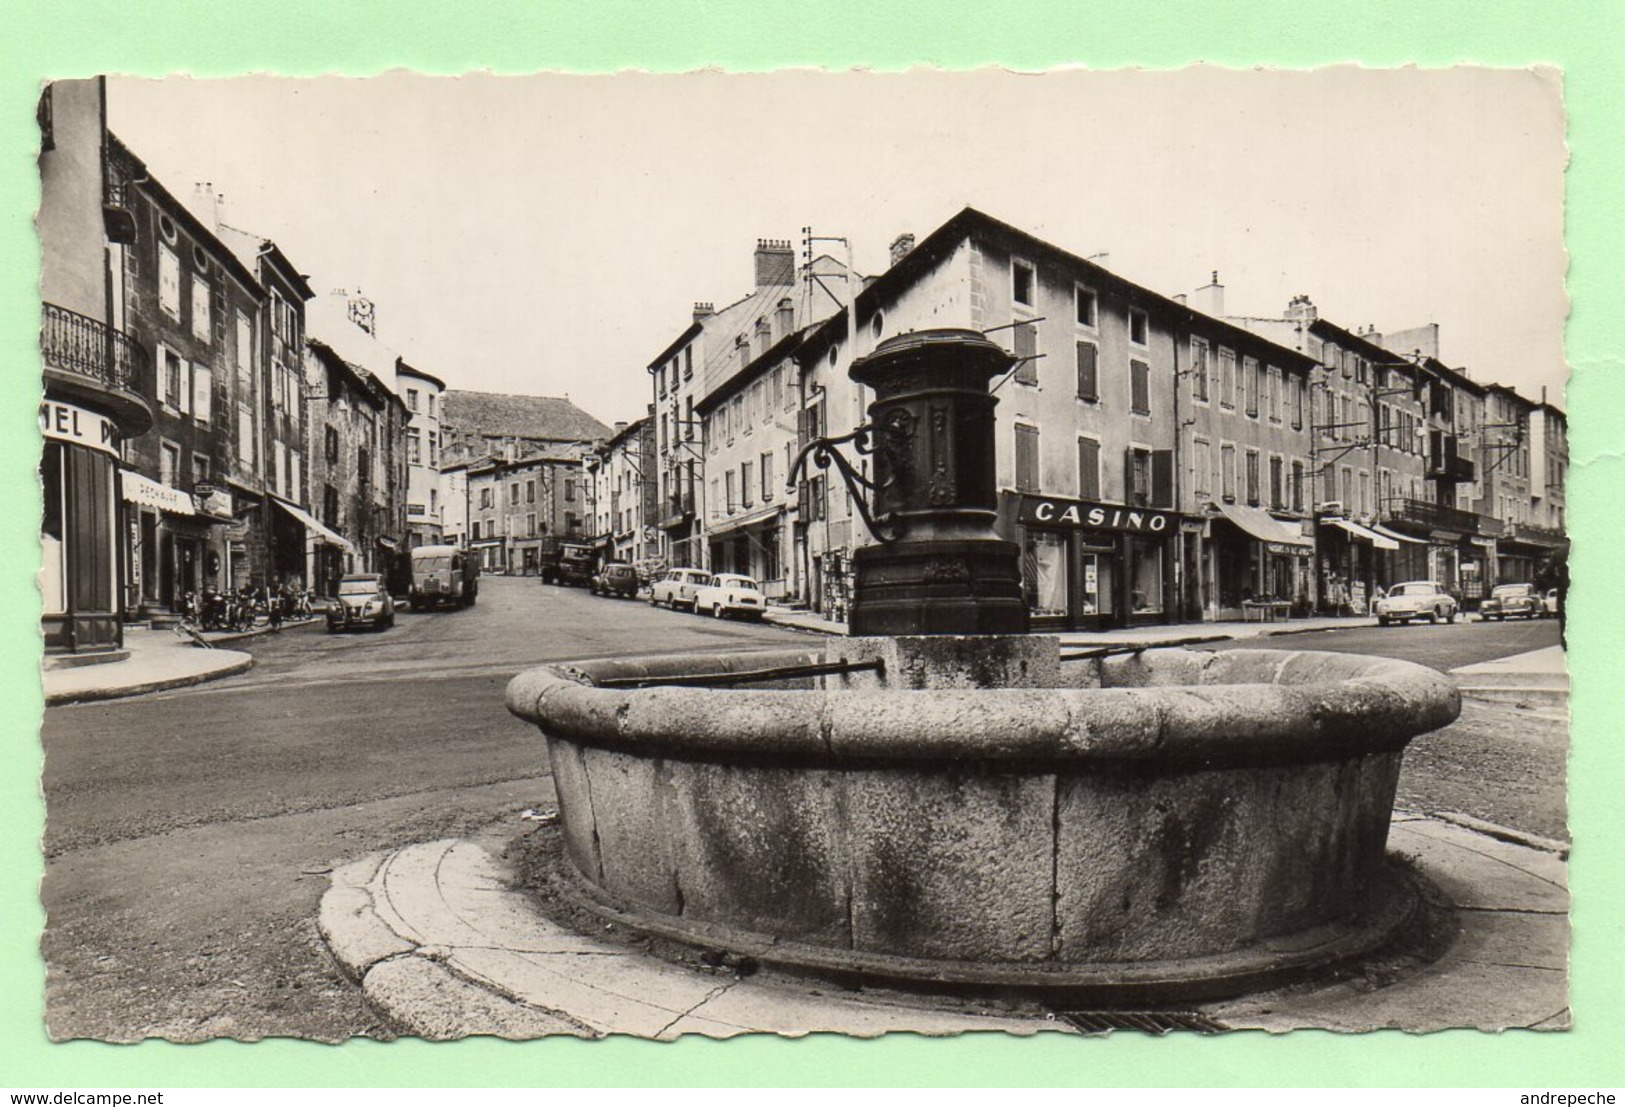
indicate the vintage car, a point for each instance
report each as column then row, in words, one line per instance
column 678, row 588
column 1416, row 599
column 1512, row 600
column 616, row 578
column 1550, row 602
column 363, row 601
column 731, row 594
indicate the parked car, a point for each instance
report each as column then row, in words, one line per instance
column 1416, row 599
column 363, row 601
column 1512, row 600
column 616, row 578
column 678, row 588
column 731, row 594
column 1549, row 603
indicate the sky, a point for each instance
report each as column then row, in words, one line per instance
column 550, row 234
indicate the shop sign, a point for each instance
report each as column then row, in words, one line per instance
column 214, row 501
column 68, row 423
column 1045, row 512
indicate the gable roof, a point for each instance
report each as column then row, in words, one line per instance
column 500, row 415
column 940, row 244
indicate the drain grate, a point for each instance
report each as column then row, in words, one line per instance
column 1151, row 1022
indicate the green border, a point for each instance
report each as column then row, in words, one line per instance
column 318, row 36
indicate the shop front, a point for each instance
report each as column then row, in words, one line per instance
column 1260, row 565
column 1088, row 566
column 1348, row 555
column 171, row 544
column 328, row 554
column 754, row 547
column 79, row 576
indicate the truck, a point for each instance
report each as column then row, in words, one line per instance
column 443, row 576
column 566, row 562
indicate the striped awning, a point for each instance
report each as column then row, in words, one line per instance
column 141, row 490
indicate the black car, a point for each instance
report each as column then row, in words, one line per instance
column 1521, row 600
column 615, row 579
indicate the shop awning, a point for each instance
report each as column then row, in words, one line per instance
column 149, row 493
column 315, row 529
column 1378, row 528
column 1381, row 542
column 1265, row 527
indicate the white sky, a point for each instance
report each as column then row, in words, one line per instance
column 550, row 234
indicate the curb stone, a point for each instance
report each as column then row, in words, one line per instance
column 93, row 695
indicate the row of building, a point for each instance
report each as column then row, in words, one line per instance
column 1157, row 459
column 212, row 422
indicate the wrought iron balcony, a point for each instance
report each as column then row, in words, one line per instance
column 1542, row 536
column 74, row 343
column 1452, row 468
column 1429, row 514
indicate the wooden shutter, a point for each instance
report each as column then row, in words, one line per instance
column 1026, row 347
column 1026, row 458
column 1140, row 386
column 1088, row 469
column 1162, row 478
column 1088, row 372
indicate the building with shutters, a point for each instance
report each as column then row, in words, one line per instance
column 519, row 510
column 726, row 352
column 622, row 499
column 97, row 379
column 1146, row 450
column 199, row 517
column 424, row 395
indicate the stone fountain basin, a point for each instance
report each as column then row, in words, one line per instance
column 1168, row 823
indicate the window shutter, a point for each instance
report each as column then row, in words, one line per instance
column 1026, row 343
column 202, row 392
column 1140, row 386
column 1088, row 372
column 185, row 398
column 1130, row 478
column 1088, row 469
column 1162, row 478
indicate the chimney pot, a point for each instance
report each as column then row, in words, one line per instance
column 900, row 247
column 775, row 263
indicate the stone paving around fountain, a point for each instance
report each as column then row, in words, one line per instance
column 442, row 944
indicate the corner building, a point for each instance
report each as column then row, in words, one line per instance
column 1146, row 451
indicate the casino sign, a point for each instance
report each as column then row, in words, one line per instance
column 1048, row 511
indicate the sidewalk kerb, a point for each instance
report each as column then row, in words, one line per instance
column 93, row 695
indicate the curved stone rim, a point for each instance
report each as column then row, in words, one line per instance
column 1397, row 894
column 1228, row 711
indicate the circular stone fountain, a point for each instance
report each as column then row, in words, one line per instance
column 935, row 803
column 1174, row 822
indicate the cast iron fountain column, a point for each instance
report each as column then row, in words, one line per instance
column 939, row 568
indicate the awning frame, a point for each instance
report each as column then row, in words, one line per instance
column 314, row 528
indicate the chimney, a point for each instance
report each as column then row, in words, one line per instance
column 1210, row 297
column 619, row 427
column 900, row 247
column 786, row 317
column 206, row 202
column 703, row 309
column 775, row 263
column 1181, row 299
column 1302, row 309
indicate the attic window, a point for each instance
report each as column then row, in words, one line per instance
column 879, row 324
column 1022, row 280
column 833, row 355
column 166, row 227
column 200, row 259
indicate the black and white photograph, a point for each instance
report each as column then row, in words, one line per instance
column 718, row 554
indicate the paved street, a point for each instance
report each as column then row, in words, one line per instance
column 191, row 833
